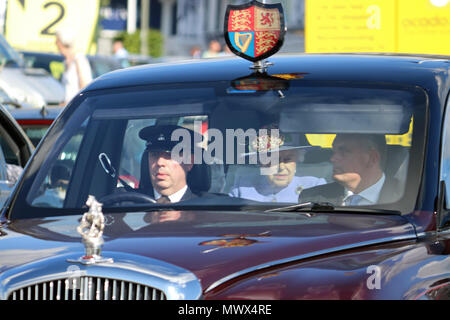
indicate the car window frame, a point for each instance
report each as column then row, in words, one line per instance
column 444, row 210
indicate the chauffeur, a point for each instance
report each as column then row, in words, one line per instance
column 168, row 177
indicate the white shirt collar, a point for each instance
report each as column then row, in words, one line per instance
column 176, row 197
column 370, row 195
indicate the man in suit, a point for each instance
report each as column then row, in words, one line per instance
column 358, row 162
column 165, row 178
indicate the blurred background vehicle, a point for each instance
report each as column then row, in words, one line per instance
column 35, row 122
column 53, row 63
column 27, row 87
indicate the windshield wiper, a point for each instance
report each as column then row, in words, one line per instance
column 328, row 207
column 305, row 206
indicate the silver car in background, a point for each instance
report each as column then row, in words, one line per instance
column 23, row 86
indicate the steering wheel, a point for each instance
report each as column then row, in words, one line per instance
column 116, row 198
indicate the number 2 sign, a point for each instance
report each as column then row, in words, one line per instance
column 32, row 24
column 60, row 15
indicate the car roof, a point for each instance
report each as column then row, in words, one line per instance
column 395, row 68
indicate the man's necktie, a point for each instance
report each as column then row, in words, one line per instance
column 353, row 200
column 163, row 199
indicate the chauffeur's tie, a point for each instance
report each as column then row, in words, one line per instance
column 353, row 200
column 163, row 199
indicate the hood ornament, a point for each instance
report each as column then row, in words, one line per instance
column 91, row 230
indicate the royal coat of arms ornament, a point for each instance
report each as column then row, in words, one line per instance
column 254, row 31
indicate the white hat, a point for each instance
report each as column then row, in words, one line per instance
column 266, row 142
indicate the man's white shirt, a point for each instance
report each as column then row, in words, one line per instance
column 176, row 197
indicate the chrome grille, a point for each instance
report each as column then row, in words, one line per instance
column 87, row 288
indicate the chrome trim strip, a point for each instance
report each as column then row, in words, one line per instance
column 66, row 291
column 58, row 291
column 98, row 292
column 421, row 235
column 146, row 293
column 105, row 289
column 444, row 232
column 114, row 295
column 305, row 256
column 138, row 292
column 51, row 290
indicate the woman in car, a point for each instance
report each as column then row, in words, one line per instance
column 276, row 181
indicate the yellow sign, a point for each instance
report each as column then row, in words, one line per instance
column 408, row 26
column 424, row 27
column 326, row 140
column 31, row 24
column 349, row 25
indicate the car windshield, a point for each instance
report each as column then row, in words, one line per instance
column 251, row 147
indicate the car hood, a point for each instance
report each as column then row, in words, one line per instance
column 34, row 80
column 215, row 246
